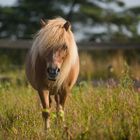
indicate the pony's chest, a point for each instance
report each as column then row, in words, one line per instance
column 50, row 85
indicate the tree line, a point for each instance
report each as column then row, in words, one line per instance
column 111, row 19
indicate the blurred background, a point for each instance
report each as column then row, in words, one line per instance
column 107, row 33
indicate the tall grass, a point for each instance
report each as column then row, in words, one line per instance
column 106, row 64
column 91, row 113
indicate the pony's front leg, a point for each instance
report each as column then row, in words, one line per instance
column 60, row 99
column 45, row 100
column 59, row 108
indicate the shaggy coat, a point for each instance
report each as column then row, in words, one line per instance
column 55, row 37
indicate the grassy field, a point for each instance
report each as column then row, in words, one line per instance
column 102, row 112
column 99, row 113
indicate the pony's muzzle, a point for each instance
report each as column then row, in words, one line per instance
column 52, row 73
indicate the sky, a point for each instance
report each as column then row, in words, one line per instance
column 129, row 3
column 7, row 2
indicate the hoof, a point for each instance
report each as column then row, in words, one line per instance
column 61, row 115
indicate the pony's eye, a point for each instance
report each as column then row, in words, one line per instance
column 64, row 47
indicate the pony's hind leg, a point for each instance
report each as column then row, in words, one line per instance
column 45, row 100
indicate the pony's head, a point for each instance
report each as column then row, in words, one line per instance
column 55, row 44
column 54, row 61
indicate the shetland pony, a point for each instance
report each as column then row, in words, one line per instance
column 52, row 65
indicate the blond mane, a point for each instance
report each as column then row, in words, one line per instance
column 53, row 35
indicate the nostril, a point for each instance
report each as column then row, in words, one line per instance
column 57, row 70
column 49, row 70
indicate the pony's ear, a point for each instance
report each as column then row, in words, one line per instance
column 43, row 22
column 67, row 25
